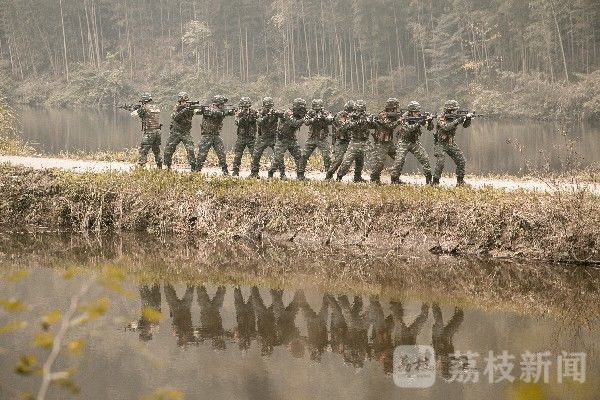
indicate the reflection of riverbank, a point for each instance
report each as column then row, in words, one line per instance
column 570, row 292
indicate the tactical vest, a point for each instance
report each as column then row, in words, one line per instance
column 339, row 121
column 181, row 121
column 247, row 123
column 406, row 136
column 383, row 133
column 289, row 127
column 360, row 132
column 212, row 121
column 320, row 128
column 151, row 118
column 444, row 136
column 268, row 124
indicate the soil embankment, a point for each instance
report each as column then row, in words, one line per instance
column 557, row 226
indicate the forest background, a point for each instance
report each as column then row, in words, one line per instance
column 515, row 58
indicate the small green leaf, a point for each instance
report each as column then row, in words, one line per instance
column 50, row 319
column 43, row 340
column 75, row 346
column 165, row 393
column 12, row 305
column 27, row 365
column 12, row 326
column 16, row 276
column 151, row 314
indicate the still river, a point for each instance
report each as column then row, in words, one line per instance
column 223, row 338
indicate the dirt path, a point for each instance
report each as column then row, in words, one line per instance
column 478, row 182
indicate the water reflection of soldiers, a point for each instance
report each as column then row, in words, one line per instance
column 357, row 340
column 150, row 297
column 181, row 314
column 406, row 335
column 244, row 315
column 211, row 323
column 287, row 332
column 441, row 336
column 381, row 335
column 265, row 322
column 338, row 328
column 317, row 328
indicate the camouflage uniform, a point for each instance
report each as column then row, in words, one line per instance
column 211, row 126
column 151, row 139
column 291, row 122
column 245, row 120
column 409, row 143
column 444, row 143
column 318, row 121
column 181, row 125
column 383, row 139
column 359, row 126
column 267, row 122
column 341, row 140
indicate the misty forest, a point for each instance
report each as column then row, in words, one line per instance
column 536, row 58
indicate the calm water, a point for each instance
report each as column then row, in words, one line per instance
column 490, row 146
column 219, row 341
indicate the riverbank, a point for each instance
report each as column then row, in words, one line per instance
column 558, row 226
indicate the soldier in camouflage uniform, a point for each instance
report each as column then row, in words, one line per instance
column 445, row 131
column 383, row 137
column 245, row 119
column 267, row 121
column 150, row 116
column 341, row 140
column 181, row 125
column 318, row 120
column 359, row 125
column 211, row 126
column 291, row 122
column 410, row 131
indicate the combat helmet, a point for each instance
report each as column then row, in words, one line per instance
column 349, row 106
column 145, row 97
column 392, row 103
column 413, row 106
column 361, row 106
column 317, row 104
column 451, row 105
column 183, row 96
column 245, row 102
column 298, row 104
column 268, row 102
column 220, row 99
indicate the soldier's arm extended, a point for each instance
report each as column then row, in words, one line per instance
column 140, row 112
column 310, row 118
column 213, row 112
column 447, row 126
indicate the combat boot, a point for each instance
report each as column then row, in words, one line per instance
column 359, row 179
column 235, row 172
column 328, row 176
column 225, row 171
column 283, row 177
column 339, row 178
column 428, row 178
column 253, row 175
column 376, row 179
column 435, row 181
column 159, row 165
column 396, row 180
column 270, row 174
column 460, row 181
column 300, row 177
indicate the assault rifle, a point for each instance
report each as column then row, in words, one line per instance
column 130, row 107
column 462, row 114
column 273, row 112
column 420, row 118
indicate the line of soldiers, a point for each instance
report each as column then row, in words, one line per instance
column 267, row 127
column 277, row 324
